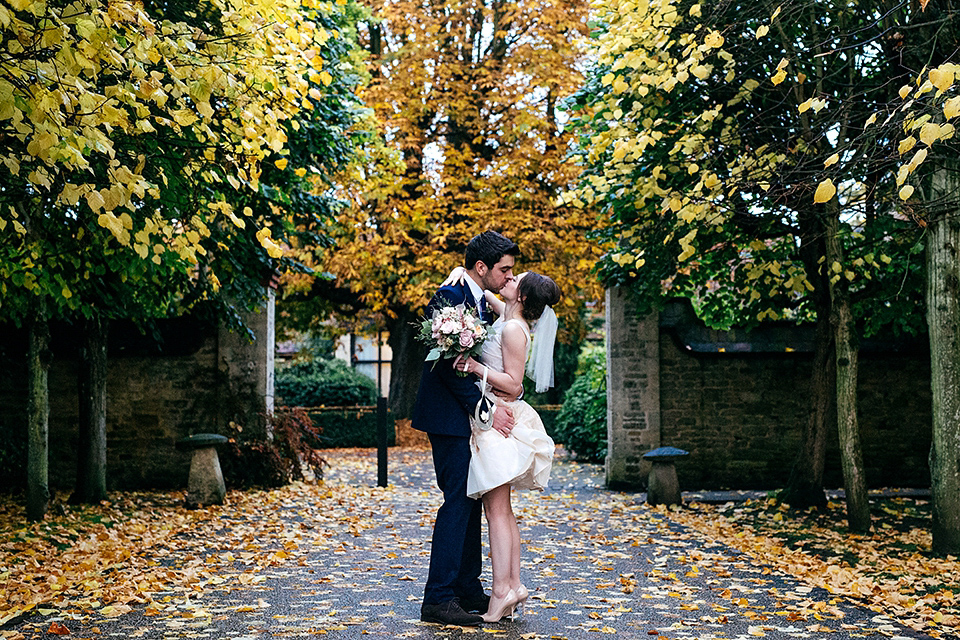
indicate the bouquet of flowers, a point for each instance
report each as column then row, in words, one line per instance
column 452, row 331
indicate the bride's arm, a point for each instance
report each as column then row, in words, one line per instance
column 457, row 277
column 496, row 304
column 513, row 342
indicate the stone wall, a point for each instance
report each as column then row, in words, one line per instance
column 738, row 401
column 633, row 391
column 196, row 378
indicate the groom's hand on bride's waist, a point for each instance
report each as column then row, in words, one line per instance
column 503, row 421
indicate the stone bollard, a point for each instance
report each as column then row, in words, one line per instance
column 662, row 484
column 206, row 480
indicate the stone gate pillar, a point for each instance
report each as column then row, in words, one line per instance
column 245, row 363
column 633, row 391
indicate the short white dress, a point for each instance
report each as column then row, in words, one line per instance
column 522, row 460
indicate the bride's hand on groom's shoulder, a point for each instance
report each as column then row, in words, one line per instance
column 456, row 277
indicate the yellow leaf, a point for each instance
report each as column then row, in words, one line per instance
column 951, row 108
column 281, row 163
column 762, row 31
column 825, row 191
column 713, row 40
column 906, row 191
column 902, row 174
column 929, row 133
column 805, row 105
column 184, row 117
column 95, row 200
column 917, row 159
column 325, row 78
column 832, row 160
column 778, row 77
column 942, row 77
column 906, row 144
column 905, row 91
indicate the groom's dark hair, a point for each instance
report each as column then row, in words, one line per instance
column 488, row 247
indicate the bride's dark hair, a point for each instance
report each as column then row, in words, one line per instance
column 537, row 291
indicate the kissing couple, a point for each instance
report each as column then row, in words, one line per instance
column 485, row 439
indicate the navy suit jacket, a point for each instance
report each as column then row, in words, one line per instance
column 445, row 400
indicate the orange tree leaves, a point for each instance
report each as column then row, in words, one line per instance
column 465, row 95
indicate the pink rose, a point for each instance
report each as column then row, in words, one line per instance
column 466, row 339
column 448, row 326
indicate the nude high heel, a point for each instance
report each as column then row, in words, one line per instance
column 522, row 595
column 499, row 608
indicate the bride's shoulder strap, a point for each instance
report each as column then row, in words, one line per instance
column 522, row 325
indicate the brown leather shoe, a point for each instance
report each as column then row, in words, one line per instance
column 449, row 612
column 479, row 603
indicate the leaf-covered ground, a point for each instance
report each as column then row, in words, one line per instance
column 346, row 558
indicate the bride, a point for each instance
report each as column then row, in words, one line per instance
column 523, row 459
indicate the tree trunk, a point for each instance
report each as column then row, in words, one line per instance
column 851, row 452
column 406, row 365
column 804, row 488
column 38, row 413
column 91, row 485
column 943, row 321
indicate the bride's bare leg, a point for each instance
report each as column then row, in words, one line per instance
column 516, row 586
column 496, row 506
column 504, row 534
column 514, row 548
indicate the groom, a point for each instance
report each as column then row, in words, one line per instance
column 444, row 405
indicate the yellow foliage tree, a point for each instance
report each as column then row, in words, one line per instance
column 743, row 153
column 126, row 133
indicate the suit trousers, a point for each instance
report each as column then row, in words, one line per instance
column 455, row 554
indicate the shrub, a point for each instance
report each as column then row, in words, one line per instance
column 318, row 383
column 276, row 462
column 581, row 425
column 351, row 428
